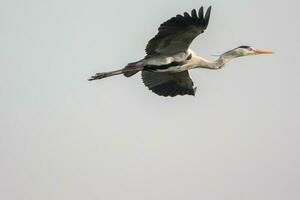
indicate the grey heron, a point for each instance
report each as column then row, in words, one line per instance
column 165, row 67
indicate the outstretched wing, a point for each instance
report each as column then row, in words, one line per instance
column 176, row 34
column 169, row 84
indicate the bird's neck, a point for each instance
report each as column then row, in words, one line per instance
column 224, row 58
column 221, row 61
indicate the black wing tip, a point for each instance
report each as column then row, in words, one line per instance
column 172, row 92
column 169, row 90
column 208, row 11
column 173, row 95
column 186, row 14
column 207, row 16
column 192, row 13
column 200, row 13
column 202, row 8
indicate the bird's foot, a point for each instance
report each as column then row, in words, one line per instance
column 98, row 76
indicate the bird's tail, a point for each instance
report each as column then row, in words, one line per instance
column 128, row 70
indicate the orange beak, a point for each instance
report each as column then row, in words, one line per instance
column 261, row 51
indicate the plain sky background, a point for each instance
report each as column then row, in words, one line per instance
column 62, row 137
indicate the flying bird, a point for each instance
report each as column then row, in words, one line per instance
column 168, row 57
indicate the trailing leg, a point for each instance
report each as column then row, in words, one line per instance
column 129, row 70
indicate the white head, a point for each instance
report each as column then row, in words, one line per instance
column 238, row 52
column 248, row 51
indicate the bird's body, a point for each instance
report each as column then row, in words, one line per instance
column 165, row 67
column 177, row 62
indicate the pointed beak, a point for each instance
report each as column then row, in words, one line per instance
column 262, row 51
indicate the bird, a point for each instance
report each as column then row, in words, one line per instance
column 165, row 68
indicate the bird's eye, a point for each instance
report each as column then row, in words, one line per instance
column 250, row 49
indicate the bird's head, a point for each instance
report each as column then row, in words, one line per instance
column 248, row 51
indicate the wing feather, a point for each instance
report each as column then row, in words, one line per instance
column 169, row 84
column 176, row 34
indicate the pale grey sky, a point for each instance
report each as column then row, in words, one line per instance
column 62, row 137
